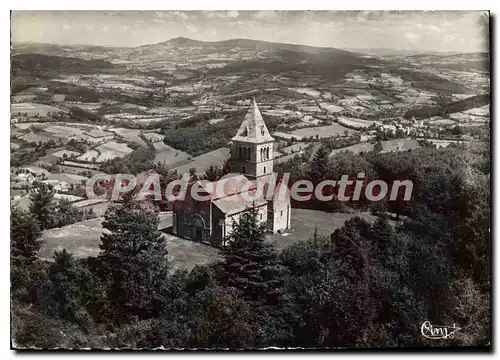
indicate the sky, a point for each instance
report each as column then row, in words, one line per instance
column 463, row 31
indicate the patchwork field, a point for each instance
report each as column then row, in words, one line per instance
column 63, row 131
column 322, row 131
column 296, row 147
column 85, row 166
column 331, row 108
column 201, row 163
column 77, row 170
column 40, row 137
column 387, row 146
column 168, row 155
column 87, row 106
column 132, row 135
column 89, row 155
column 355, row 149
column 399, row 145
column 307, row 91
column 356, row 123
column 22, row 98
column 437, row 120
column 32, row 109
column 480, row 111
column 111, row 150
column 154, row 137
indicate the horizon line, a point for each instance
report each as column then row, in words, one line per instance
column 424, row 51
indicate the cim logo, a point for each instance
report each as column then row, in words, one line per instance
column 436, row 332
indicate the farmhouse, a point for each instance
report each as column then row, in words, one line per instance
column 224, row 201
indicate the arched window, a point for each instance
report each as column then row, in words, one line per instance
column 264, row 169
column 240, row 152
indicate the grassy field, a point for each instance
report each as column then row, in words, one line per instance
column 356, row 123
column 168, row 155
column 331, row 108
column 33, row 109
column 399, row 145
column 322, row 131
column 63, row 131
column 154, row 137
column 201, row 163
column 131, row 135
column 355, row 149
column 387, row 146
column 305, row 221
column 111, row 150
column 82, row 239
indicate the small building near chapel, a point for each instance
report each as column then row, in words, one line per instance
column 252, row 184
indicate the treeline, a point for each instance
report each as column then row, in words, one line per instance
column 450, row 108
column 367, row 285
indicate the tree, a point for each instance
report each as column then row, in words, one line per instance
column 227, row 322
column 27, row 274
column 380, row 234
column 134, row 259
column 378, row 147
column 68, row 289
column 213, row 173
column 251, row 265
column 319, row 165
column 253, row 268
column 41, row 197
column 25, row 236
column 64, row 214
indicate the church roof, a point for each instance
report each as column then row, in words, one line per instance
column 234, row 204
column 253, row 128
column 230, row 184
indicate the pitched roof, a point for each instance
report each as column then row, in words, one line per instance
column 229, row 184
column 234, row 204
column 253, row 128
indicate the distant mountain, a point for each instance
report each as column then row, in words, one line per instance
column 243, row 43
column 398, row 52
column 178, row 49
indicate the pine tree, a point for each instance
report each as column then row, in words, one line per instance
column 251, row 265
column 134, row 259
column 253, row 268
column 69, row 287
column 26, row 273
column 42, row 203
column 25, row 236
column 380, row 234
column 213, row 173
column 319, row 165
